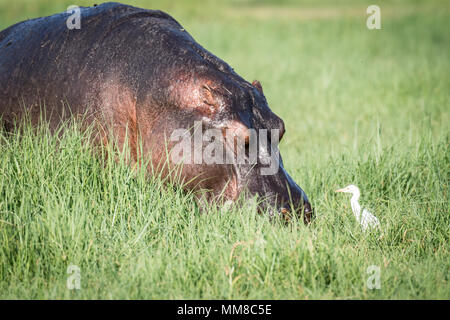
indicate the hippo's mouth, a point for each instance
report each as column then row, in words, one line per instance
column 239, row 159
column 306, row 212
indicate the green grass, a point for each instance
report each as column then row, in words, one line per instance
column 364, row 107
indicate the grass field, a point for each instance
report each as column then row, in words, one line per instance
column 368, row 107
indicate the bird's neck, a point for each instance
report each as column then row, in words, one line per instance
column 356, row 208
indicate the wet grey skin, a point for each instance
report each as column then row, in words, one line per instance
column 139, row 74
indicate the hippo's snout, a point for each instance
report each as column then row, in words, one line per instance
column 304, row 211
column 287, row 212
column 280, row 195
column 308, row 212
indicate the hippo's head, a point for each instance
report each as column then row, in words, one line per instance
column 222, row 131
column 194, row 107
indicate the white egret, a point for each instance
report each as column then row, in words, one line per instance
column 366, row 219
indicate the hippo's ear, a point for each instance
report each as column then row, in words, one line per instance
column 258, row 86
column 209, row 98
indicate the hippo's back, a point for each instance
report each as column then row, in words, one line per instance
column 44, row 63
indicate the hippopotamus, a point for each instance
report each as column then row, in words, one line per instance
column 139, row 75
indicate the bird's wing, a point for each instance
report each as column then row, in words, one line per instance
column 368, row 219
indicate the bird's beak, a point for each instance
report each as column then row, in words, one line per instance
column 340, row 190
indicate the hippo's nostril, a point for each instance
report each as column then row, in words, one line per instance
column 286, row 214
column 307, row 207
